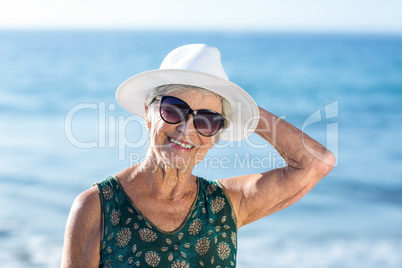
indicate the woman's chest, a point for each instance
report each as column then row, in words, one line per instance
column 166, row 216
column 206, row 234
column 202, row 240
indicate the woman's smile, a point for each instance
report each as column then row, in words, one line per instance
column 181, row 143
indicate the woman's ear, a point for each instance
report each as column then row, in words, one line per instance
column 147, row 120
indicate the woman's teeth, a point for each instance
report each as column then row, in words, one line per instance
column 183, row 145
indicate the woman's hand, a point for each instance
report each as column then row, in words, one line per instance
column 255, row 196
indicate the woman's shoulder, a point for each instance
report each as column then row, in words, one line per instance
column 87, row 204
column 83, row 231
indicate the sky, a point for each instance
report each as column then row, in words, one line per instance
column 271, row 15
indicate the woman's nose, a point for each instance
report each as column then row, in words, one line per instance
column 187, row 126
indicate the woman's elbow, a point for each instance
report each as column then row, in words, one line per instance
column 324, row 164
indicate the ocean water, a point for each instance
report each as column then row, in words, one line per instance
column 62, row 129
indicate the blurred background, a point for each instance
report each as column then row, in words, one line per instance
column 333, row 69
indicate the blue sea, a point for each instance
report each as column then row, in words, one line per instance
column 61, row 130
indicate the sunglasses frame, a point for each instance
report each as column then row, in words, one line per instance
column 193, row 113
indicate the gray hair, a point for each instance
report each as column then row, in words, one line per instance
column 170, row 88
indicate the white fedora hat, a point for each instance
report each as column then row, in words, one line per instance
column 196, row 65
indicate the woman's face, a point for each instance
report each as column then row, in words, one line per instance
column 180, row 145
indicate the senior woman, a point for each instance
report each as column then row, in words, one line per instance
column 157, row 213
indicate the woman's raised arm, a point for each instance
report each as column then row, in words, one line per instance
column 255, row 196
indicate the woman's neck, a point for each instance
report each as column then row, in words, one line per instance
column 162, row 181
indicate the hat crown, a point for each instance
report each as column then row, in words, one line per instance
column 195, row 57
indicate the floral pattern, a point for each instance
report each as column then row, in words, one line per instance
column 180, row 237
column 202, row 246
column 147, row 235
column 223, row 250
column 233, row 236
column 180, row 264
column 107, row 192
column 170, row 257
column 123, row 237
column 152, row 258
column 211, row 189
column 115, row 217
column 195, row 227
column 217, row 204
column 108, row 264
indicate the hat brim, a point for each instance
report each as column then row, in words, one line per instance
column 131, row 95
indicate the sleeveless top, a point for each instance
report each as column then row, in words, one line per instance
column 207, row 237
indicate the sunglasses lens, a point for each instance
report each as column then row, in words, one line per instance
column 208, row 122
column 173, row 110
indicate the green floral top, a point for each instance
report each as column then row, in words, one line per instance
column 207, row 238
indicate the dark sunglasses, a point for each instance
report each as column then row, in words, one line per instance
column 174, row 110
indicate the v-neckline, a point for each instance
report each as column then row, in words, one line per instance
column 190, row 212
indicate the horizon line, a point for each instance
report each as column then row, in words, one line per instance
column 212, row 30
